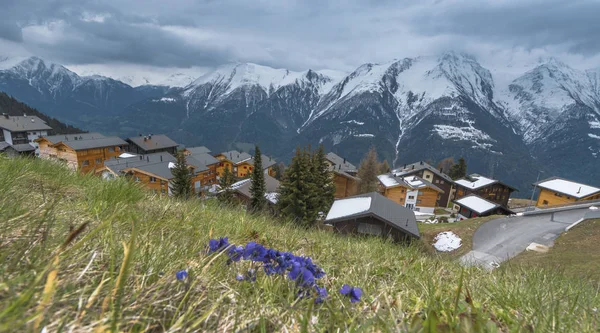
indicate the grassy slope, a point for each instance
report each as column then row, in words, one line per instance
column 575, row 252
column 464, row 229
column 404, row 289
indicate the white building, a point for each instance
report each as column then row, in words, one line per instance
column 24, row 129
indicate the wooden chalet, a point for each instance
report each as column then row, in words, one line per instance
column 18, row 150
column 412, row 192
column 152, row 143
column 430, row 174
column 558, row 191
column 241, row 190
column 487, row 188
column 373, row 214
column 242, row 164
column 84, row 152
column 472, row 206
column 344, row 176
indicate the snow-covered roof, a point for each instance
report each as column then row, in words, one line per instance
column 476, row 204
column 568, row 187
column 127, row 155
column 347, row 207
column 478, row 181
column 273, row 197
column 388, row 180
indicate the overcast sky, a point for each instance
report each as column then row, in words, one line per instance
column 302, row 34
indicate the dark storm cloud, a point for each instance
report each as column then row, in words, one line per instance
column 296, row 34
column 531, row 24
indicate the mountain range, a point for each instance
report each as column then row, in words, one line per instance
column 426, row 108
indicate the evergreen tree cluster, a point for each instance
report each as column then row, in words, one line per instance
column 258, row 188
column 307, row 187
column 225, row 182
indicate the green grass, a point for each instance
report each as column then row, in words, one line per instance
column 575, row 252
column 440, row 211
column 55, row 274
column 464, row 229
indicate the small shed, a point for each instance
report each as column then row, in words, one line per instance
column 475, row 206
column 373, row 214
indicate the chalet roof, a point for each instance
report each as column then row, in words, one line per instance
column 476, row 181
column 243, row 187
column 374, row 204
column 4, row 145
column 198, row 150
column 119, row 164
column 199, row 165
column 340, row 163
column 23, row 123
column 94, row 143
column 205, row 158
column 412, row 182
column 237, row 157
column 567, row 187
column 153, row 142
column 478, row 204
column 23, row 147
column 409, row 169
column 72, row 137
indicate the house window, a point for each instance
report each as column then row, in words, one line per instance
column 437, row 181
column 163, row 191
column 153, row 179
column 411, row 197
column 419, row 201
column 85, row 163
column 441, row 181
column 98, row 161
column 111, row 149
column 421, row 193
column 118, row 148
column 417, row 209
column 369, row 229
column 245, row 167
column 136, row 179
column 427, row 176
column 545, row 203
column 250, row 168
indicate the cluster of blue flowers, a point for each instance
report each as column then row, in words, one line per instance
column 299, row 269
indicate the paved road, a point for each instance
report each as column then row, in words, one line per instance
column 504, row 238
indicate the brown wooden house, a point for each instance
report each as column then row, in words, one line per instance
column 373, row 214
column 241, row 190
column 149, row 144
column 430, row 174
column 412, row 192
column 487, row 188
column 558, row 191
column 81, row 152
column 344, row 176
column 242, row 164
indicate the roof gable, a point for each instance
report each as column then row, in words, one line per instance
column 567, row 187
column 409, row 169
column 23, row 123
column 476, row 181
column 153, row 142
column 340, row 163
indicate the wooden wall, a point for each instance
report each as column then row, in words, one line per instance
column 344, row 186
column 428, row 198
column 396, row 194
column 554, row 198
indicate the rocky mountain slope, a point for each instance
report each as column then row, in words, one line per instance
column 425, row 108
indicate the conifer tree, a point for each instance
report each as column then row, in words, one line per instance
column 323, row 182
column 225, row 182
column 459, row 170
column 368, row 171
column 258, row 188
column 181, row 185
column 294, row 193
column 445, row 165
column 385, row 167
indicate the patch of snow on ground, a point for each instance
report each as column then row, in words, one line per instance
column 367, row 135
column 466, row 133
column 447, row 241
column 272, row 197
column 353, row 122
column 593, row 208
column 347, row 207
column 594, row 124
column 594, row 136
column 166, row 100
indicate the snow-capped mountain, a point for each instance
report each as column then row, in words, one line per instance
column 507, row 125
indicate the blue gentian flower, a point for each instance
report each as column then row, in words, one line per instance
column 354, row 292
column 235, row 253
column 321, row 294
column 308, row 279
column 181, row 275
column 217, row 245
column 295, row 270
column 254, row 252
column 239, row 277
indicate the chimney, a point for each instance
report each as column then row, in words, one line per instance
column 141, row 157
column 421, row 162
column 579, row 190
column 441, row 170
column 24, row 114
column 75, row 138
column 80, row 137
column 140, row 134
column 145, row 138
column 147, row 159
column 413, row 167
column 404, row 166
column 344, row 160
column 150, row 136
column 161, row 158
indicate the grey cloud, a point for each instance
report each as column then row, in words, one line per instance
column 11, row 31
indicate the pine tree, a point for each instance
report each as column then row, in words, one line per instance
column 385, row 167
column 294, row 191
column 323, row 182
column 368, row 171
column 458, row 170
column 225, row 182
column 181, row 185
column 279, row 168
column 258, row 188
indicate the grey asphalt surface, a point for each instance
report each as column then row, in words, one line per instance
column 501, row 239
